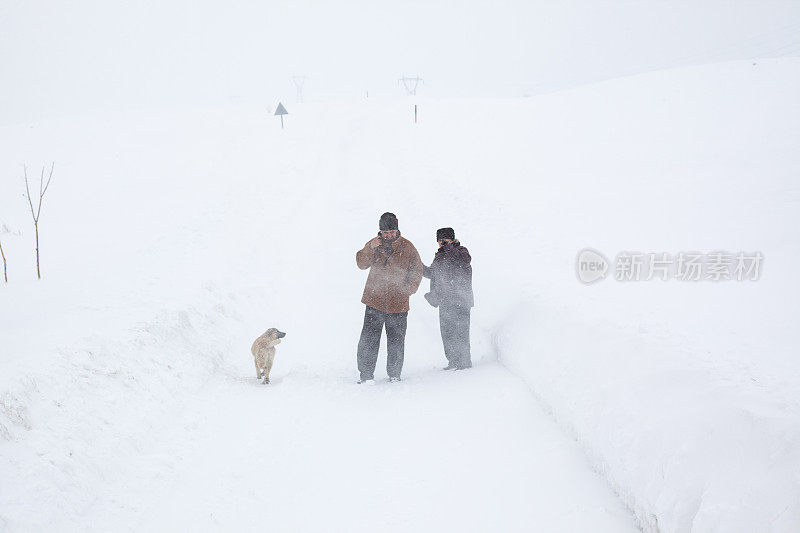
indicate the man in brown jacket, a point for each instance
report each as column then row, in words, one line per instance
column 395, row 272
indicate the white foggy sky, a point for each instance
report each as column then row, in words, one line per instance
column 69, row 57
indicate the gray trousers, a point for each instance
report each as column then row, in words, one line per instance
column 370, row 342
column 454, row 326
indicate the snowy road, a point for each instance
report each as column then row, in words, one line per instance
column 467, row 451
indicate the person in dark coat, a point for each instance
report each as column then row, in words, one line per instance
column 451, row 291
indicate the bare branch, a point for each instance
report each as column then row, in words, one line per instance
column 5, row 269
column 28, row 194
column 50, row 177
column 43, row 188
column 41, row 184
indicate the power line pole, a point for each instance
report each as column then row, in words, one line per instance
column 411, row 84
column 299, row 81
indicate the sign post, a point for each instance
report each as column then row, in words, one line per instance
column 281, row 111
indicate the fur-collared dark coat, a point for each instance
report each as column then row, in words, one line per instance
column 451, row 277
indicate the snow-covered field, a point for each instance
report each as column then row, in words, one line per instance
column 170, row 240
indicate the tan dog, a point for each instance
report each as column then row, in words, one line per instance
column 264, row 352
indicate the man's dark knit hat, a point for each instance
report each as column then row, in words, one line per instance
column 445, row 233
column 388, row 221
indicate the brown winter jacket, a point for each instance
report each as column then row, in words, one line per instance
column 391, row 279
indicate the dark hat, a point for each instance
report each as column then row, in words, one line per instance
column 388, row 221
column 445, row 233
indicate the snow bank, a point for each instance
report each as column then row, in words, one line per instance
column 73, row 432
column 685, row 447
column 683, row 394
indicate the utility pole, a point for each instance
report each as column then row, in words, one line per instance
column 411, row 84
column 299, row 81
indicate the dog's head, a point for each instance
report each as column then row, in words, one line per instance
column 274, row 335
